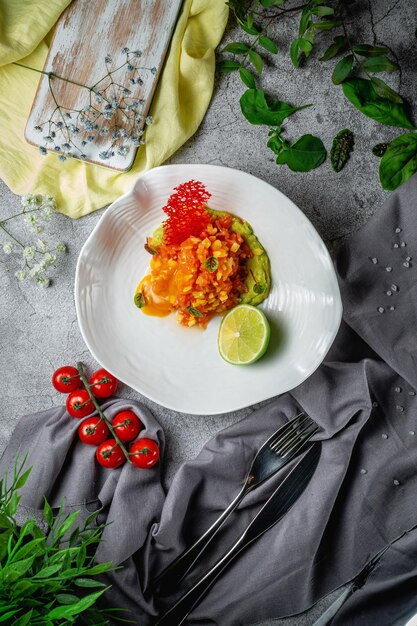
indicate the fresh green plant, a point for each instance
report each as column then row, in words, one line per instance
column 342, row 147
column 37, row 256
column 355, row 72
column 48, row 579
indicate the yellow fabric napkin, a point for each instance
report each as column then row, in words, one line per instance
column 179, row 105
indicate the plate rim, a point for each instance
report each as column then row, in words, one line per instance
column 114, row 205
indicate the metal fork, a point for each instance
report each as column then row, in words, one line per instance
column 278, row 450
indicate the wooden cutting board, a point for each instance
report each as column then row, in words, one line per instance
column 86, row 48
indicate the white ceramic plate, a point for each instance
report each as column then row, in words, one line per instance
column 178, row 367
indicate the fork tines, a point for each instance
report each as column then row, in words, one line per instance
column 300, row 429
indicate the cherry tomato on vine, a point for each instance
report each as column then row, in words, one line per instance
column 79, row 403
column 127, row 425
column 109, row 454
column 66, row 379
column 103, row 384
column 144, row 453
column 93, row 431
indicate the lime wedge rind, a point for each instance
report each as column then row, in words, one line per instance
column 243, row 335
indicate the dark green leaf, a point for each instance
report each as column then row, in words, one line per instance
column 6, row 616
column 259, row 288
column 380, row 149
column 67, row 524
column 342, row 69
column 384, row 90
column 257, row 110
column 82, row 555
column 18, row 569
column 100, row 568
column 27, row 528
column 88, row 582
column 21, row 481
column 139, row 300
column 11, row 508
column 249, row 28
column 380, row 64
column 228, row 66
column 149, row 249
column 339, row 45
column 321, row 11
column 24, row 619
column 32, row 547
column 24, row 588
column 305, row 46
column 211, row 264
column 328, row 24
column 271, row 3
column 305, row 154
column 360, row 92
column 48, row 571
column 268, row 44
column 399, row 162
column 48, row 513
column 66, row 598
column 5, row 521
column 295, row 53
column 247, row 78
column 305, row 21
column 366, row 50
column 341, row 148
column 256, row 61
column 192, row 310
column 236, row 48
column 66, row 612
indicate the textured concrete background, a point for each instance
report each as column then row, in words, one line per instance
column 38, row 328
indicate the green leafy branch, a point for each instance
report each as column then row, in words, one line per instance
column 355, row 72
column 48, row 579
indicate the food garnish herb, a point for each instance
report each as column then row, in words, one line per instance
column 149, row 249
column 379, row 149
column 355, row 72
column 211, row 264
column 258, row 287
column 139, row 299
column 342, row 146
column 192, row 310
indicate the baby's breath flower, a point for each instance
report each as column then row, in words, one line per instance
column 35, row 270
column 41, row 245
column 43, row 150
column 48, row 260
column 154, row 70
column 62, row 157
column 31, row 219
column 43, row 282
column 108, row 58
column 20, row 274
column 61, row 247
column 36, row 229
column 123, row 150
column 29, row 253
column 148, row 120
column 8, row 247
column 125, row 50
column 48, row 200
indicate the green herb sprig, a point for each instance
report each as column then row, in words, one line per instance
column 49, row 579
column 355, row 72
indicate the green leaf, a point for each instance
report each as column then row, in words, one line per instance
column 305, row 46
column 66, row 612
column 268, row 44
column 321, row 11
column 66, row 598
column 8, row 614
column 295, row 53
column 47, row 571
column 17, row 570
column 139, row 299
column 380, row 149
column 360, row 92
column 228, row 66
column 249, row 28
column 380, row 64
column 339, row 45
column 256, row 61
column 399, row 162
column 366, row 50
column 211, row 264
column 67, row 524
column 384, row 90
column 342, row 69
column 88, row 582
column 24, row 619
column 100, row 568
column 305, row 21
column 305, row 154
column 32, row 547
column 271, row 3
column 259, row 288
column 11, row 508
column 48, row 513
column 341, row 149
column 194, row 312
column 21, row 481
column 247, row 78
column 257, row 110
column 328, row 24
column 236, row 48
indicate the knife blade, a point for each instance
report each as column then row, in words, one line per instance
column 275, row 508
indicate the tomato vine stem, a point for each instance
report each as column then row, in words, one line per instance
column 93, row 399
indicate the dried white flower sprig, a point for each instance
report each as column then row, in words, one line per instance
column 36, row 257
column 112, row 116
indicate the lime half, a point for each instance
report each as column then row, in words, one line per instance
column 243, row 335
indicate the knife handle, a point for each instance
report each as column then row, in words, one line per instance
column 179, row 612
column 168, row 580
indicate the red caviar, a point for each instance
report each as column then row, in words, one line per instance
column 186, row 210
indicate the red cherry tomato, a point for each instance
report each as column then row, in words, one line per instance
column 144, row 452
column 66, row 379
column 103, row 384
column 79, row 403
column 93, row 431
column 109, row 454
column 127, row 425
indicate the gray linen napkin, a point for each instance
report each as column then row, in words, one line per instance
column 361, row 498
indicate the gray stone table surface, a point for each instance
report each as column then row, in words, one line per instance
column 38, row 327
